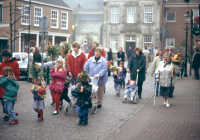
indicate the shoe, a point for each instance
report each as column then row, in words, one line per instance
column 60, row 107
column 156, row 95
column 181, row 77
column 13, row 122
column 99, row 106
column 55, row 113
column 16, row 114
column 85, row 123
column 4, row 117
column 178, row 78
column 140, row 97
column 123, row 87
column 80, row 122
column 40, row 120
column 167, row 105
column 38, row 116
column 164, row 103
column 7, row 118
column 131, row 99
column 53, row 103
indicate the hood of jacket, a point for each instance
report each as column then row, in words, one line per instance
column 74, row 54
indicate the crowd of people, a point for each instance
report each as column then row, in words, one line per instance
column 162, row 69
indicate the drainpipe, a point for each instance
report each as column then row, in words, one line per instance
column 162, row 22
column 15, row 29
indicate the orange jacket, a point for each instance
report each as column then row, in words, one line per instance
column 91, row 53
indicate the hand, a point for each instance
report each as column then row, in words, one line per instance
column 70, row 74
column 138, row 70
column 157, row 80
column 128, row 70
column 0, row 76
column 135, row 91
column 96, row 76
column 119, row 78
column 82, row 88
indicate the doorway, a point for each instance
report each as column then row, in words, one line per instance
column 130, row 42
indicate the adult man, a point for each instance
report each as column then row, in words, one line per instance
column 120, row 56
column 92, row 52
column 148, row 57
column 196, row 62
column 11, row 62
column 129, row 53
column 151, row 50
column 154, row 66
column 87, row 50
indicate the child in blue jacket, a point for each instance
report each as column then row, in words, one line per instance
column 130, row 89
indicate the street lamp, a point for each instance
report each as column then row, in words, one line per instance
column 186, row 23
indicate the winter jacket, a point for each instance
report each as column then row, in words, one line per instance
column 37, row 58
column 148, row 57
column 11, row 87
column 91, row 53
column 15, row 68
column 110, row 57
column 40, row 94
column 58, row 79
column 99, row 67
column 137, row 62
column 76, row 63
column 84, row 99
column 116, row 78
column 132, row 88
column 196, row 60
column 155, row 63
column 129, row 53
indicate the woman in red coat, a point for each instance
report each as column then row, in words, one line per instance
column 76, row 61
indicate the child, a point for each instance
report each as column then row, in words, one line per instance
column 58, row 75
column 39, row 91
column 84, row 91
column 11, row 86
column 130, row 89
column 118, row 78
column 121, row 64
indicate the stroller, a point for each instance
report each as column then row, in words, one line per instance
column 128, row 80
column 73, row 105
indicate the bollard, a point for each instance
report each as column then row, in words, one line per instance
column 48, row 73
column 27, row 73
column 45, row 74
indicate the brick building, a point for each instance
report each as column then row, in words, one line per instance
column 174, row 10
column 60, row 22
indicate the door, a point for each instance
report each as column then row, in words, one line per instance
column 130, row 44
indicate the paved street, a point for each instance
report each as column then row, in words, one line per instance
column 114, row 120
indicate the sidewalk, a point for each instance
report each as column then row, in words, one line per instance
column 181, row 121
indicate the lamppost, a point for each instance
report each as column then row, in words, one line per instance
column 186, row 23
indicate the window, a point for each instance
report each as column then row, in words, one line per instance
column 25, row 14
column 114, row 14
column 147, row 40
column 37, row 15
column 171, row 16
column 148, row 14
column 54, row 19
column 64, row 20
column 170, row 42
column 195, row 14
column 1, row 12
column 114, row 42
column 130, row 38
column 131, row 14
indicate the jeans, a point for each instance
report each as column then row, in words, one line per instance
column 157, row 87
column 2, row 102
column 123, row 83
column 9, row 108
column 117, row 88
column 126, row 93
column 196, row 73
column 140, row 88
column 83, row 113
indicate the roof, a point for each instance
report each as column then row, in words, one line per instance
column 54, row 2
column 88, row 18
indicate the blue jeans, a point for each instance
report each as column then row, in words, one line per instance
column 2, row 102
column 123, row 83
column 83, row 113
column 9, row 108
column 157, row 85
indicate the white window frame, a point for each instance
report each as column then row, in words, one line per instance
column 1, row 11
column 147, row 42
column 38, row 16
column 55, row 19
column 170, row 39
column 131, row 14
column 114, row 14
column 171, row 20
column 147, row 13
column 114, row 44
column 195, row 11
column 64, row 20
column 26, row 15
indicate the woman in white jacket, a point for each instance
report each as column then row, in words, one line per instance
column 163, row 75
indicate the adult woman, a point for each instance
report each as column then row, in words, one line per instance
column 110, row 57
column 136, row 64
column 182, row 59
column 76, row 61
column 163, row 75
column 37, row 56
column 97, row 67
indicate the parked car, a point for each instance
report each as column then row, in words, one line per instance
column 20, row 57
column 45, row 57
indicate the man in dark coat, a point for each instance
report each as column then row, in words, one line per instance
column 136, row 64
column 129, row 53
column 120, row 56
column 196, row 62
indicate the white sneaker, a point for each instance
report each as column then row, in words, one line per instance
column 164, row 103
column 167, row 105
column 131, row 99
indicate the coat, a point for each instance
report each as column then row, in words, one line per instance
column 84, row 99
column 15, row 68
column 76, row 63
column 137, row 62
column 58, row 79
column 91, row 53
column 182, row 59
column 131, row 88
column 196, row 60
column 99, row 67
column 155, row 63
column 129, row 53
column 116, row 78
column 110, row 56
column 37, row 58
column 164, row 74
column 11, row 87
column 40, row 94
column 148, row 57
column 121, row 56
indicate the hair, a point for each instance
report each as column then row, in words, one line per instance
column 97, row 44
column 41, row 79
column 6, row 53
column 167, row 54
column 98, row 49
column 110, row 50
column 59, row 60
column 31, row 49
column 161, row 50
column 76, row 44
column 145, row 47
column 121, row 63
column 37, row 49
column 155, row 47
column 8, row 72
column 178, row 51
column 138, row 49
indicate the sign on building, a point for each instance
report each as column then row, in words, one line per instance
column 84, row 41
